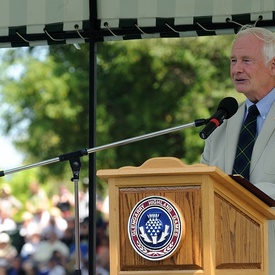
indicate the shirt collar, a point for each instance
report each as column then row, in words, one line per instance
column 264, row 104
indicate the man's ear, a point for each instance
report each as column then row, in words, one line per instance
column 272, row 66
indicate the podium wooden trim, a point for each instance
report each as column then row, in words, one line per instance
column 226, row 229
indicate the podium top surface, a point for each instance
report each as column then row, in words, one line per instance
column 161, row 165
column 174, row 166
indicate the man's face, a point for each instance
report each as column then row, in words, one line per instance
column 249, row 73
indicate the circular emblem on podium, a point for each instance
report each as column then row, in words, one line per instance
column 155, row 228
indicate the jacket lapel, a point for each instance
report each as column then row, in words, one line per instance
column 264, row 136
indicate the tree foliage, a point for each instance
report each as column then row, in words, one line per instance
column 153, row 85
column 142, row 86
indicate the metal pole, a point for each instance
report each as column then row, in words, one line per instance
column 84, row 152
column 92, row 138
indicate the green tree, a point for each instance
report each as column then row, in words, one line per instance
column 152, row 85
column 142, row 86
column 47, row 106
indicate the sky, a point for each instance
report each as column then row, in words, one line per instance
column 9, row 157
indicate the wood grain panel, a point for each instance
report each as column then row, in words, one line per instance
column 189, row 255
column 238, row 237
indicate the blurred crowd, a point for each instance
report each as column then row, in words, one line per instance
column 43, row 242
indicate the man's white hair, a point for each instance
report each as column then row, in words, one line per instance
column 263, row 34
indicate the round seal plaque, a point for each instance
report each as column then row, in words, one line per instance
column 156, row 228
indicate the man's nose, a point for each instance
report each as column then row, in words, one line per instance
column 236, row 67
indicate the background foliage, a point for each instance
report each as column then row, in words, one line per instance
column 142, row 87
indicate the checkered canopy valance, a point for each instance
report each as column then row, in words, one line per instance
column 129, row 19
column 42, row 22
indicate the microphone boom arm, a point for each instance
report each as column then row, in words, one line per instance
column 83, row 152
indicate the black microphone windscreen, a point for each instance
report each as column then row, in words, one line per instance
column 229, row 105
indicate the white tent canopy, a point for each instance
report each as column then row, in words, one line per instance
column 40, row 22
column 181, row 17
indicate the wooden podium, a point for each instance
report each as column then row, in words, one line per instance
column 224, row 226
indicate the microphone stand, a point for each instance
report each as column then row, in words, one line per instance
column 75, row 163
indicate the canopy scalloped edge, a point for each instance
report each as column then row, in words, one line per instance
column 128, row 29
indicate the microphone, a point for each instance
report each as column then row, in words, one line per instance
column 226, row 109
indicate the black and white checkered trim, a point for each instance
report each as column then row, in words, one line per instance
column 126, row 29
column 50, row 34
column 129, row 29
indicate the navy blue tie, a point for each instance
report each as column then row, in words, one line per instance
column 246, row 143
